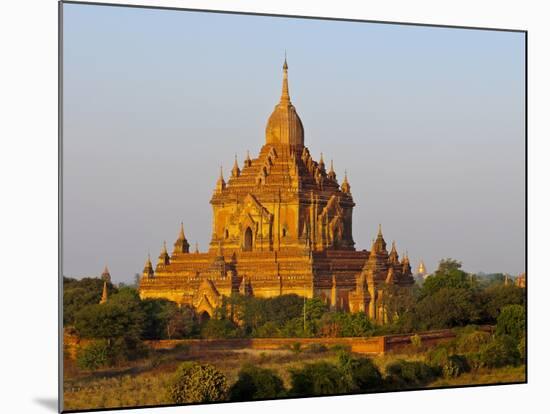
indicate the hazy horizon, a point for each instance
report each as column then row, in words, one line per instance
column 428, row 122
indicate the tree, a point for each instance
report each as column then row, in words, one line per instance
column 165, row 319
column 446, row 308
column 337, row 324
column 512, row 322
column 120, row 317
column 451, row 278
column 180, row 322
column 197, row 383
column 496, row 296
column 220, row 328
column 256, row 383
column 80, row 293
column 397, row 300
column 448, row 265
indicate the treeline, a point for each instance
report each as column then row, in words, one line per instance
column 448, row 298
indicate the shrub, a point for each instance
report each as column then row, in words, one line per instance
column 267, row 330
column 501, row 351
column 321, row 378
column 471, row 341
column 219, row 328
column 454, row 366
column 256, row 383
column 511, row 321
column 94, row 355
column 409, row 373
column 438, row 356
column 296, row 347
column 193, row 382
column 364, row 374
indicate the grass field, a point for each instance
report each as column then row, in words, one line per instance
column 143, row 383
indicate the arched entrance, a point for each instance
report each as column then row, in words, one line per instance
column 204, row 317
column 247, row 246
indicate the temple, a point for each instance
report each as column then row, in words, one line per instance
column 282, row 224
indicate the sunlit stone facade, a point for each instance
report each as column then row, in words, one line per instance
column 281, row 224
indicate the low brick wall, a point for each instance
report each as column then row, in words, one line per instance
column 371, row 346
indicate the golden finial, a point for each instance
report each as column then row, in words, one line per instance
column 196, row 247
column 380, row 229
column 181, row 235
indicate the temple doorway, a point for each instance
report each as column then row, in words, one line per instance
column 247, row 247
column 204, row 317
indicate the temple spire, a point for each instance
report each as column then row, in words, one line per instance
column 394, row 256
column 148, row 269
column 104, row 293
column 105, row 275
column 164, row 258
column 235, row 172
column 285, row 95
column 331, row 174
column 181, row 245
column 346, row 188
column 220, row 185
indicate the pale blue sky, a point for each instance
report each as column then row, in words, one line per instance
column 428, row 122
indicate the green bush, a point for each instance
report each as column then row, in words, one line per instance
column 195, row 382
column 256, row 383
column 454, row 366
column 296, row 347
column 471, row 341
column 95, row 355
column 501, row 351
column 321, row 378
column 409, row 373
column 364, row 374
column 511, row 321
column 438, row 356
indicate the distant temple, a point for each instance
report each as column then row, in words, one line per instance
column 520, row 280
column 421, row 271
column 106, row 277
column 281, row 224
